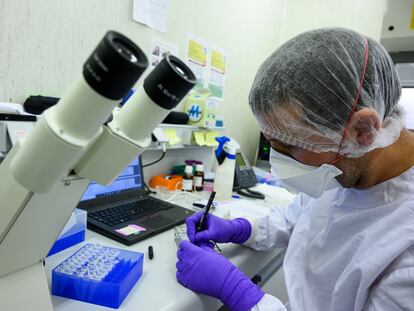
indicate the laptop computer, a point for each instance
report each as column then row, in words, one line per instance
column 124, row 212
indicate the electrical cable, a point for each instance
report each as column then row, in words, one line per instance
column 185, row 193
column 164, row 151
column 246, row 192
column 147, row 189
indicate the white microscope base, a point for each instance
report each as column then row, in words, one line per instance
column 25, row 289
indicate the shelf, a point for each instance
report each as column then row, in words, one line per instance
column 153, row 148
column 191, row 127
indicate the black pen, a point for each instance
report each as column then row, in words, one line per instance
column 208, row 206
column 203, row 218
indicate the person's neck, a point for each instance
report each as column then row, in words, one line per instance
column 394, row 160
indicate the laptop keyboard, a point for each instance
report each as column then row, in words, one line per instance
column 116, row 215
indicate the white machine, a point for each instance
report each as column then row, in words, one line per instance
column 83, row 138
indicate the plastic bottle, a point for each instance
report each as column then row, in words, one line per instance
column 224, row 175
column 188, row 179
column 199, row 178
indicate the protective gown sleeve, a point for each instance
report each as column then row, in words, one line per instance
column 269, row 303
column 394, row 291
column 274, row 229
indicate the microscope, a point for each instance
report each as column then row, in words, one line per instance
column 84, row 137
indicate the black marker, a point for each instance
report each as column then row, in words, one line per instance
column 203, row 219
column 208, row 206
column 150, row 252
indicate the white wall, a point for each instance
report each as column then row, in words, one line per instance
column 43, row 44
column 399, row 15
column 364, row 16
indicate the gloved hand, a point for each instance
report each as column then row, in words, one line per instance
column 218, row 229
column 202, row 270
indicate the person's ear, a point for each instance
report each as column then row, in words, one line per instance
column 363, row 126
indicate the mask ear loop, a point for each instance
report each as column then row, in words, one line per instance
column 338, row 156
column 336, row 159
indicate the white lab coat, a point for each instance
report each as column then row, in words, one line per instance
column 349, row 250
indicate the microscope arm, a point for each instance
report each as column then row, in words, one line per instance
column 37, row 194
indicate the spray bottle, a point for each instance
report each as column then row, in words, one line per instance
column 224, row 173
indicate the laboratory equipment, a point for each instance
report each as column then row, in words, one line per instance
column 125, row 212
column 199, row 177
column 72, row 233
column 180, row 234
column 161, row 91
column 38, row 104
column 150, row 252
column 244, row 174
column 13, row 127
column 176, row 117
column 224, row 173
column 98, row 274
column 169, row 182
column 11, row 108
column 188, row 179
column 38, row 189
column 262, row 153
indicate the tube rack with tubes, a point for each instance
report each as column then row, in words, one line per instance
column 180, row 234
column 98, row 274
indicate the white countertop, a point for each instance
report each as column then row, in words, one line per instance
column 158, row 289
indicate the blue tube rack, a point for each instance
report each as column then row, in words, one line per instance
column 74, row 235
column 98, row 274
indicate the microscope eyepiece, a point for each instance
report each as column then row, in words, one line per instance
column 114, row 66
column 126, row 51
column 169, row 82
column 180, row 67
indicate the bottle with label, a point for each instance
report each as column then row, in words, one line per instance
column 188, row 179
column 199, row 178
column 224, row 175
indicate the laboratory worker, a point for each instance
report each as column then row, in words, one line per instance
column 327, row 100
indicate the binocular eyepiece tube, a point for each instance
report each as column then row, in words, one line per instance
column 65, row 131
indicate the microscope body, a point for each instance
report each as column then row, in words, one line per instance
column 36, row 218
column 44, row 175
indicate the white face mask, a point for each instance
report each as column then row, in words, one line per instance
column 300, row 177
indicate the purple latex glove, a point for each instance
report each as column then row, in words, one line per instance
column 202, row 270
column 218, row 229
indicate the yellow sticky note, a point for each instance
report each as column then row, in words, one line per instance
column 197, row 52
column 211, row 138
column 171, row 134
column 199, row 138
column 412, row 18
column 218, row 61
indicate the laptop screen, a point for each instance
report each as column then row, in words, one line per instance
column 129, row 179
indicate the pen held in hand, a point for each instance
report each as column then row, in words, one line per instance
column 206, row 211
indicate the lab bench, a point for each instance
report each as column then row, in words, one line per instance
column 158, row 288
